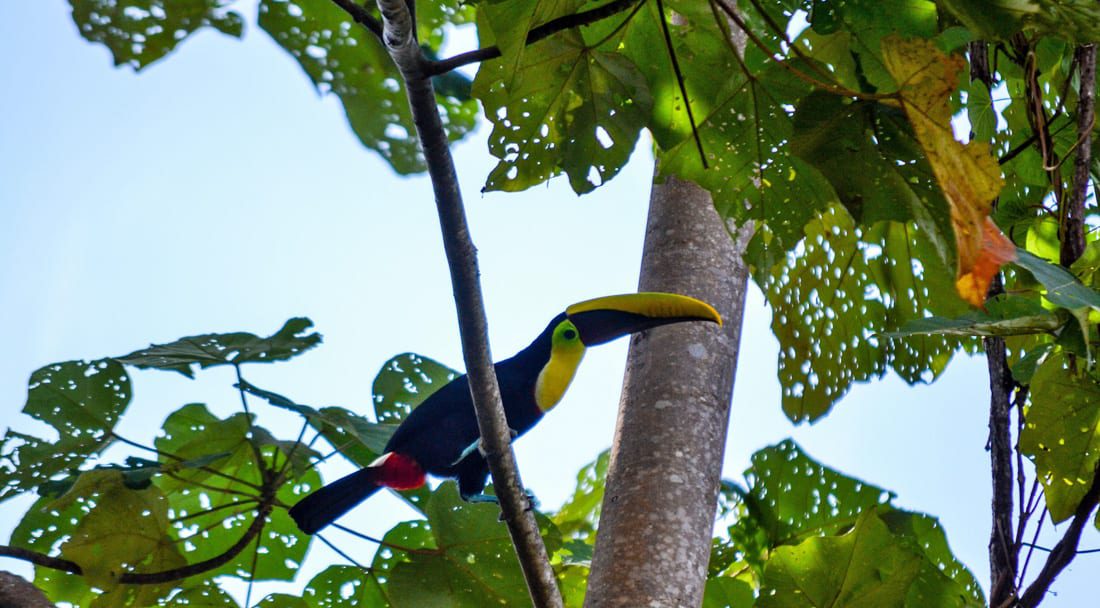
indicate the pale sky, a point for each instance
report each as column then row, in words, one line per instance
column 216, row 192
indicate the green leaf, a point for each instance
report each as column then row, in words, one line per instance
column 580, row 514
column 865, row 567
column 793, row 496
column 1062, row 288
column 346, row 587
column 83, row 401
column 843, row 286
column 1062, row 433
column 564, row 108
column 1005, row 316
column 343, row 58
column 894, row 181
column 1074, row 20
column 942, row 580
column 357, row 438
column 404, row 382
column 727, row 592
column 139, row 32
column 468, row 560
column 209, row 350
column 214, row 506
column 282, row 600
column 202, row 595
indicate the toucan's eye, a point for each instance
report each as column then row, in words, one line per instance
column 569, row 334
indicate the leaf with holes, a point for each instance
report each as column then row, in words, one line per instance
column 574, row 110
column 792, row 496
column 209, row 350
column 404, row 382
column 342, row 58
column 344, row 586
column 83, row 401
column 139, row 32
column 1062, row 433
column 506, row 25
column 213, row 507
column 842, row 287
column 467, row 560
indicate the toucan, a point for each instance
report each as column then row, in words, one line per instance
column 441, row 436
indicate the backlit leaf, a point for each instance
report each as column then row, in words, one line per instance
column 1062, row 433
column 139, row 32
column 83, row 401
column 209, row 350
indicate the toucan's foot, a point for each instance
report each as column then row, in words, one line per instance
column 532, row 502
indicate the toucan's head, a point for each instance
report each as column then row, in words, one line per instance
column 602, row 320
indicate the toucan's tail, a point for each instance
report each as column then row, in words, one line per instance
column 322, row 507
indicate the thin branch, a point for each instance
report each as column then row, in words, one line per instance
column 361, row 16
column 1073, row 236
column 680, row 83
column 149, row 578
column 461, row 254
column 1066, row 549
column 204, row 468
column 329, row 544
column 435, row 68
column 382, row 543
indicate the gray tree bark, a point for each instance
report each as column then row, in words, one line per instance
column 654, row 538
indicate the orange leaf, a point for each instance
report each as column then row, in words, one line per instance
column 997, row 249
column 967, row 173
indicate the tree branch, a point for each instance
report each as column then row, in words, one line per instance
column 400, row 41
column 536, row 34
column 1073, row 234
column 1066, row 549
column 361, row 16
column 150, row 578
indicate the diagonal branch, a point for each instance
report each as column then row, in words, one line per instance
column 1066, row 549
column 536, row 34
column 400, row 41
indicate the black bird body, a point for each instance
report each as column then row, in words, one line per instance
column 440, row 437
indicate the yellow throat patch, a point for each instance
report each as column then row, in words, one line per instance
column 566, row 352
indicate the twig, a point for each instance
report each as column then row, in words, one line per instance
column 496, row 437
column 361, row 16
column 1066, row 549
column 680, row 83
column 435, row 68
column 1073, row 235
column 382, row 543
column 149, row 578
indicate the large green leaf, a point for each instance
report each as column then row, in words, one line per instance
column 213, row 506
column 208, row 350
column 1062, row 433
column 887, row 558
column 404, row 382
column 139, row 32
column 576, row 110
column 580, row 514
column 793, row 496
column 82, row 400
column 843, row 286
column 462, row 556
column 999, row 19
column 343, row 58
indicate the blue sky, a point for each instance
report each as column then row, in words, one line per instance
column 217, row 192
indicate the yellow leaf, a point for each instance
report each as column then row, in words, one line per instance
column 967, row 173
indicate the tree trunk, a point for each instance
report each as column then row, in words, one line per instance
column 655, row 530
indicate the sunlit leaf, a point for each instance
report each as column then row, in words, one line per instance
column 209, row 350
column 404, row 382
column 469, row 562
column 343, row 58
column 1062, row 433
column 1062, row 288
